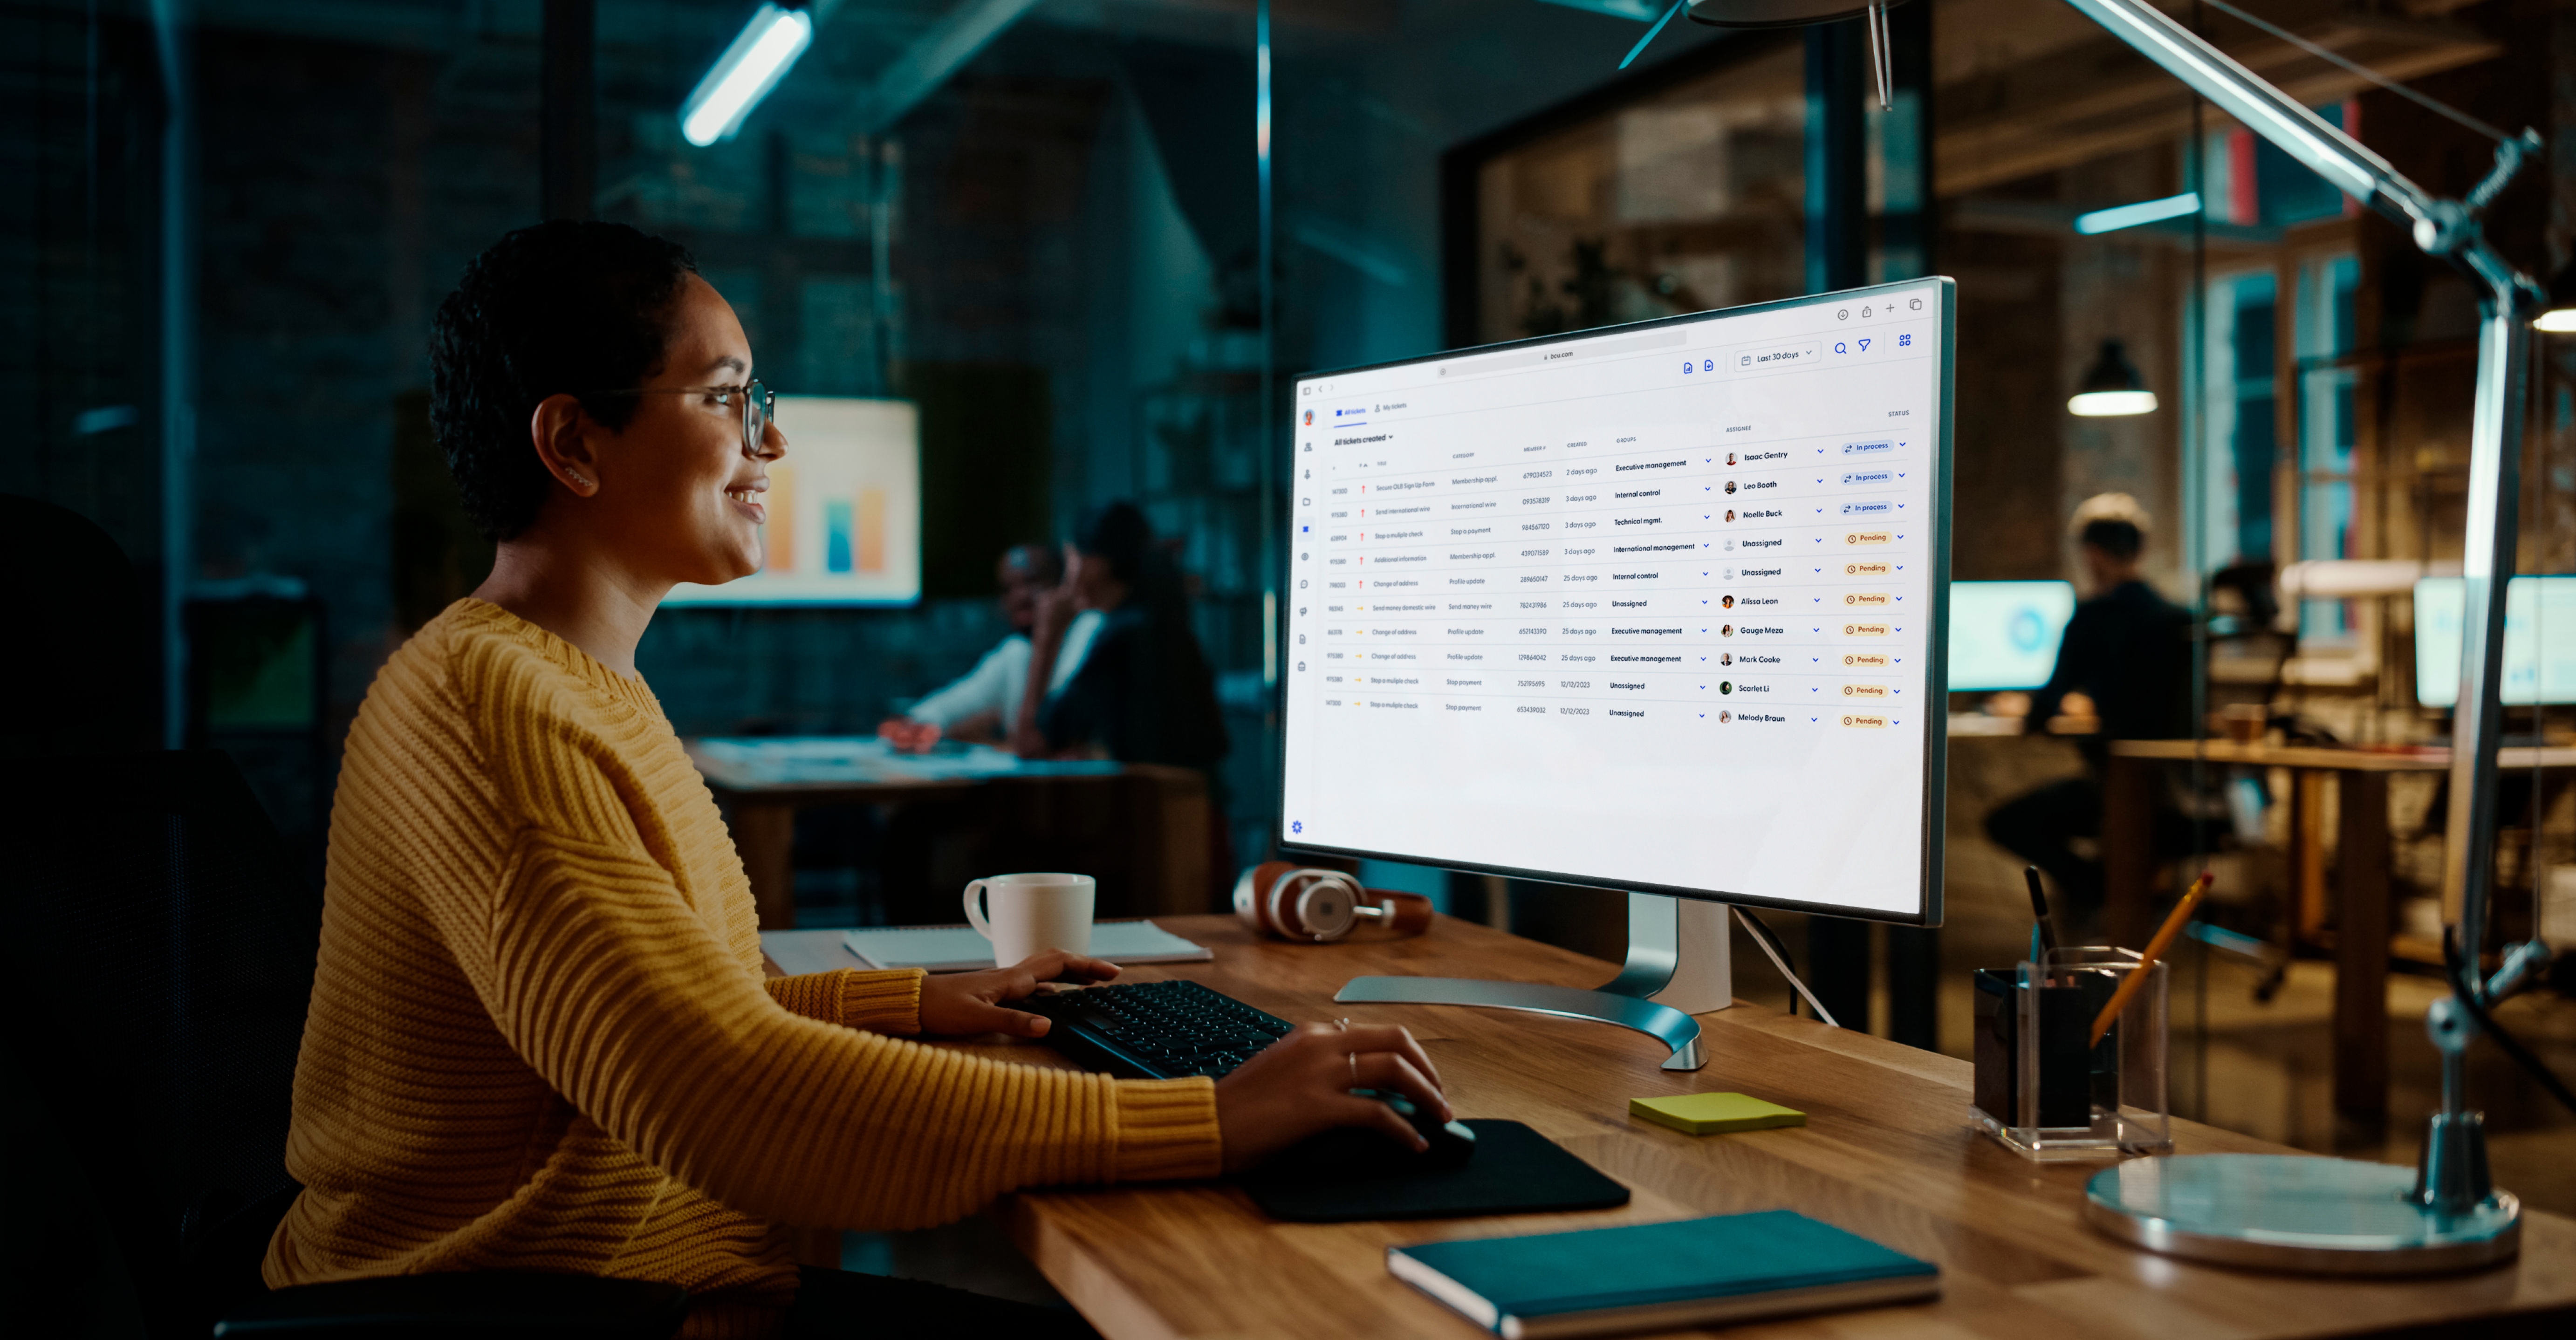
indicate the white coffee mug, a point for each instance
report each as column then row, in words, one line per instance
column 1032, row 914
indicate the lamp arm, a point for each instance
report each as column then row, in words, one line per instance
column 2444, row 228
column 2260, row 107
column 2447, row 229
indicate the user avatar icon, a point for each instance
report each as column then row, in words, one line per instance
column 1726, row 686
column 1730, row 514
column 1725, row 658
column 1726, row 602
column 1730, row 459
column 1730, row 486
column 1725, row 717
column 1726, row 630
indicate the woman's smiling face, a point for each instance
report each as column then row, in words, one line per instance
column 683, row 498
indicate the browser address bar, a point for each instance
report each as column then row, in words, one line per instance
column 1533, row 358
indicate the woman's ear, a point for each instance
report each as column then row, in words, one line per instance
column 558, row 432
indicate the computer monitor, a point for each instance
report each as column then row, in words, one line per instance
column 2004, row 635
column 1657, row 607
column 844, row 510
column 2539, row 640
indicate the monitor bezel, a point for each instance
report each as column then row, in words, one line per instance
column 1936, row 752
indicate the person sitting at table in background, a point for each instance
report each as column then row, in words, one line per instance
column 539, row 1037
column 2125, row 660
column 1144, row 693
column 984, row 704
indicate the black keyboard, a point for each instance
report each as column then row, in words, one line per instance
column 1155, row 1030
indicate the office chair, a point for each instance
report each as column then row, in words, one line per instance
column 164, row 955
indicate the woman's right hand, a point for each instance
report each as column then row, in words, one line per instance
column 1301, row 1085
column 907, row 735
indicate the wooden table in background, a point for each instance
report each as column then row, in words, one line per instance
column 1156, row 817
column 1886, row 1153
column 2360, row 893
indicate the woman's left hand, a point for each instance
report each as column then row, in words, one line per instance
column 970, row 1002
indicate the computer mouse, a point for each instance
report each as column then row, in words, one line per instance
column 1361, row 1151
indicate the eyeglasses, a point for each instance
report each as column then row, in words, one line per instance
column 759, row 405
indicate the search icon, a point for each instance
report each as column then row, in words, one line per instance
column 1840, row 348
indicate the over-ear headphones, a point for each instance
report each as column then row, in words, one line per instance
column 1304, row 903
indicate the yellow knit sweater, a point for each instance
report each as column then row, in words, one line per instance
column 540, row 1038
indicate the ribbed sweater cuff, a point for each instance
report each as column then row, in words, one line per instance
column 1167, row 1129
column 882, row 1002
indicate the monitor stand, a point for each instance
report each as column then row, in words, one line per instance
column 1677, row 967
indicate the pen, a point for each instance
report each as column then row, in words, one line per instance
column 2174, row 922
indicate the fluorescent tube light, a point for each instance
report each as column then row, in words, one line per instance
column 745, row 73
column 2130, row 216
column 2556, row 321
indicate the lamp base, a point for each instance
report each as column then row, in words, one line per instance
column 2287, row 1212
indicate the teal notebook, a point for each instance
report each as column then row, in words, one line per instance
column 1692, row 1272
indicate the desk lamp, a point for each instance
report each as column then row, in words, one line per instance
column 2339, row 1215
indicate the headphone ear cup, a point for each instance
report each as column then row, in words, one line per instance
column 1251, row 895
column 1324, row 910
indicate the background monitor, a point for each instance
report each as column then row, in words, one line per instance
column 2539, row 640
column 1656, row 608
column 844, row 510
column 2004, row 635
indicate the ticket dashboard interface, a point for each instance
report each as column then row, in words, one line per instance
column 1654, row 608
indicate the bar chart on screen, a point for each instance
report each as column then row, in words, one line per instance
column 844, row 510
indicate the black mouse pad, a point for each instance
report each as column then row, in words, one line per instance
column 1515, row 1170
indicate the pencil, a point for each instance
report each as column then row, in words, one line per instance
column 2137, row 978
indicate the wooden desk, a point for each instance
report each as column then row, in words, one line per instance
column 1144, row 828
column 2360, row 894
column 1886, row 1153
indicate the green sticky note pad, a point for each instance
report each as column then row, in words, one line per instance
column 1715, row 1113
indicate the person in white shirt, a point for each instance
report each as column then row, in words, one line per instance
column 984, row 703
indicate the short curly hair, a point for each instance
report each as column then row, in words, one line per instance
column 563, row 307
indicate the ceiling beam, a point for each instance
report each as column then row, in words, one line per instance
column 2084, row 103
column 936, row 55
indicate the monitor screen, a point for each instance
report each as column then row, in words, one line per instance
column 1655, row 608
column 844, row 510
column 2003, row 635
column 2539, row 640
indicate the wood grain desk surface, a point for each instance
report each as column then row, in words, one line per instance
column 1886, row 1153
column 2340, row 760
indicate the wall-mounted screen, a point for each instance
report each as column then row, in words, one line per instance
column 2004, row 635
column 844, row 510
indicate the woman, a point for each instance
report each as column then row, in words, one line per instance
column 539, row 1037
column 1144, row 693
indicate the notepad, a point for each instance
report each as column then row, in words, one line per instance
column 960, row 949
column 1714, row 1113
column 1693, row 1272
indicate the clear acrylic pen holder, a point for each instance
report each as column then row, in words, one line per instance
column 2043, row 1089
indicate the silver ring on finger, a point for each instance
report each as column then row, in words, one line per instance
column 1354, row 1059
column 1342, row 1024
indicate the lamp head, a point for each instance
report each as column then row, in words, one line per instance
column 2558, row 315
column 1778, row 13
column 2112, row 388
